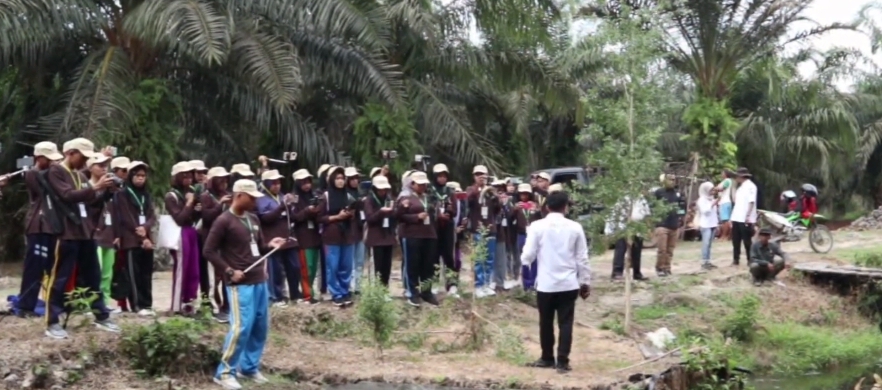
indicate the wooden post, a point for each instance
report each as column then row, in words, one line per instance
column 692, row 172
column 628, row 277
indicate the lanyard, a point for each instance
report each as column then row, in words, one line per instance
column 247, row 222
column 178, row 193
column 75, row 178
column 140, row 200
column 373, row 195
column 425, row 203
column 275, row 197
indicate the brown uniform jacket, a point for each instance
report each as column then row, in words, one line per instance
column 411, row 225
column 176, row 204
column 275, row 221
column 229, row 244
column 211, row 209
column 335, row 233
column 380, row 224
column 128, row 213
column 34, row 217
column 71, row 188
column 306, row 226
column 477, row 206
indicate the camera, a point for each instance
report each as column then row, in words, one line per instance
column 25, row 162
column 113, row 150
column 117, row 181
column 423, row 158
column 314, row 201
column 289, row 156
column 390, row 154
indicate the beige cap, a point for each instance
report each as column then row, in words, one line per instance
column 271, row 174
column 120, row 162
column 322, row 169
column 198, row 165
column 181, row 167
column 498, row 182
column 47, row 149
column 440, row 168
column 479, row 169
column 525, row 187
column 84, row 146
column 375, row 171
column 217, row 172
column 97, row 159
column 455, row 185
column 419, row 177
column 301, row 174
column 544, row 175
column 381, row 182
column 350, row 172
column 555, row 188
column 134, row 164
column 242, row 169
column 406, row 175
column 247, row 186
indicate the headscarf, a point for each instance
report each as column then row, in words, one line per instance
column 142, row 192
column 177, row 183
column 704, row 190
column 405, row 185
column 338, row 198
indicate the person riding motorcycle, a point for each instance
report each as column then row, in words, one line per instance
column 808, row 201
column 788, row 201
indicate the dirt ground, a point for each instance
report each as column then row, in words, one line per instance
column 595, row 357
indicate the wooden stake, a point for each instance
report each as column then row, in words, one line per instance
column 628, row 273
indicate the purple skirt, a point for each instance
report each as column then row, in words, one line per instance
column 185, row 277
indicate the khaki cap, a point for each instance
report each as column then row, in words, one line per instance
column 134, row 164
column 97, row 159
column 181, row 167
column 381, row 182
column 555, row 188
column 350, row 172
column 479, row 169
column 322, row 169
column 455, row 185
column 375, row 171
column 406, row 175
column 248, row 187
column 419, row 178
column 84, row 146
column 440, row 168
column 525, row 187
column 217, row 172
column 242, row 169
column 120, row 162
column 498, row 182
column 271, row 174
column 47, row 149
column 301, row 174
column 198, row 165
column 544, row 175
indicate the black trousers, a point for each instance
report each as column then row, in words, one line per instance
column 204, row 277
column 323, row 286
column 742, row 233
column 564, row 305
column 139, row 271
column 383, row 262
column 289, row 259
column 81, row 255
column 619, row 256
column 420, row 256
column 446, row 253
column 37, row 261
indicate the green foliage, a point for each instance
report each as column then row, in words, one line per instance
column 810, row 348
column 712, row 131
column 510, row 346
column 170, row 348
column 712, row 365
column 741, row 325
column 78, row 302
column 866, row 259
column 614, row 325
column 378, row 129
column 326, row 325
column 377, row 313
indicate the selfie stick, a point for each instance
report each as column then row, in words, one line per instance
column 13, row 174
column 277, row 161
column 260, row 260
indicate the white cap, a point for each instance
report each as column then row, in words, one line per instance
column 181, row 167
column 406, row 174
column 381, row 182
column 134, row 164
column 498, row 182
column 350, row 172
column 301, row 174
column 217, row 172
column 247, row 186
column 47, row 149
column 120, row 162
column 419, row 177
column 271, row 174
column 97, row 159
column 555, row 188
column 544, row 175
column 84, row 146
column 322, row 169
column 375, row 171
column 455, row 185
column 479, row 169
column 198, row 165
column 525, row 187
column 242, row 169
column 440, row 168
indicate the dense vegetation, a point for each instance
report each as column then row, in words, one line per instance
column 507, row 83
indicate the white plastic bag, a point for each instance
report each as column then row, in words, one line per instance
column 169, row 233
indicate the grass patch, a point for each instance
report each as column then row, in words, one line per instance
column 801, row 348
column 851, row 254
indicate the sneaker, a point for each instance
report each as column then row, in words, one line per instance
column 707, row 266
column 492, row 286
column 222, row 318
column 339, row 302
column 27, row 314
column 640, row 277
column 55, row 331
column 436, row 290
column 413, row 301
column 280, row 304
column 490, row 291
column 430, row 299
column 480, row 292
column 563, row 368
column 228, row 383
column 146, row 313
column 256, row 377
column 453, row 292
column 116, row 311
column 541, row 363
column 108, row 325
column 757, row 283
column 510, row 284
column 347, row 300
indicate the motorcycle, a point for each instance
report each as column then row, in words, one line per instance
column 792, row 227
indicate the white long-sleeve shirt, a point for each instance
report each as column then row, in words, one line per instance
column 559, row 245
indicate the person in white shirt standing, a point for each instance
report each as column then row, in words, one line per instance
column 743, row 214
column 707, row 222
column 559, row 246
column 639, row 209
column 726, row 188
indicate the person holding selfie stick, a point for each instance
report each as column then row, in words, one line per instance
column 380, row 227
column 234, row 244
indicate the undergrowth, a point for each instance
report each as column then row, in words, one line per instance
column 174, row 347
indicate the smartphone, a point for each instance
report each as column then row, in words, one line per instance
column 390, row 203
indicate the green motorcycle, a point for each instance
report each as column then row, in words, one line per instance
column 792, row 227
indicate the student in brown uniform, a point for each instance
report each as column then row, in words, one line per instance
column 40, row 233
column 185, row 209
column 483, row 206
column 234, row 243
column 134, row 209
column 102, row 215
column 419, row 240
column 445, row 227
column 306, row 231
column 353, row 181
column 75, row 247
column 380, row 226
column 215, row 200
column 525, row 211
column 275, row 211
column 337, row 214
column 501, row 263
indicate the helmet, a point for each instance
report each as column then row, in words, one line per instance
column 809, row 188
column 788, row 195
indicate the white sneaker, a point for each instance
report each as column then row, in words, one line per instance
column 116, row 311
column 453, row 292
column 510, row 284
column 228, row 383
column 256, row 377
column 280, row 304
column 490, row 291
column 436, row 290
column 480, row 292
column 492, row 286
column 146, row 313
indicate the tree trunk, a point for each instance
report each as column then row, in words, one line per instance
column 628, row 273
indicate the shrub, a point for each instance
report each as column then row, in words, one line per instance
column 174, row 347
column 741, row 325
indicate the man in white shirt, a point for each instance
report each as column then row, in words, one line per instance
column 559, row 246
column 743, row 214
column 639, row 209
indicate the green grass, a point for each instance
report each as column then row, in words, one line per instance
column 801, row 348
column 850, row 254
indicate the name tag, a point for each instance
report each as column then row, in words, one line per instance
column 142, row 220
column 361, row 215
column 82, row 209
column 254, row 250
column 505, row 222
column 484, row 212
column 427, row 221
column 310, row 225
column 107, row 219
column 385, row 222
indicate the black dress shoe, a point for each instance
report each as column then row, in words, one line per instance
column 563, row 368
column 640, row 277
column 541, row 363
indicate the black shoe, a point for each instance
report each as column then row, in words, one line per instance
column 735, row 263
column 617, row 277
column 541, row 363
column 430, row 298
column 563, row 368
column 640, row 277
column 339, row 302
column 347, row 299
column 356, row 292
column 414, row 301
column 26, row 314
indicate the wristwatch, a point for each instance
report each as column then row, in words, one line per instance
column 230, row 272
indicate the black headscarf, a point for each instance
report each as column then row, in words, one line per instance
column 352, row 191
column 142, row 192
column 338, row 198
